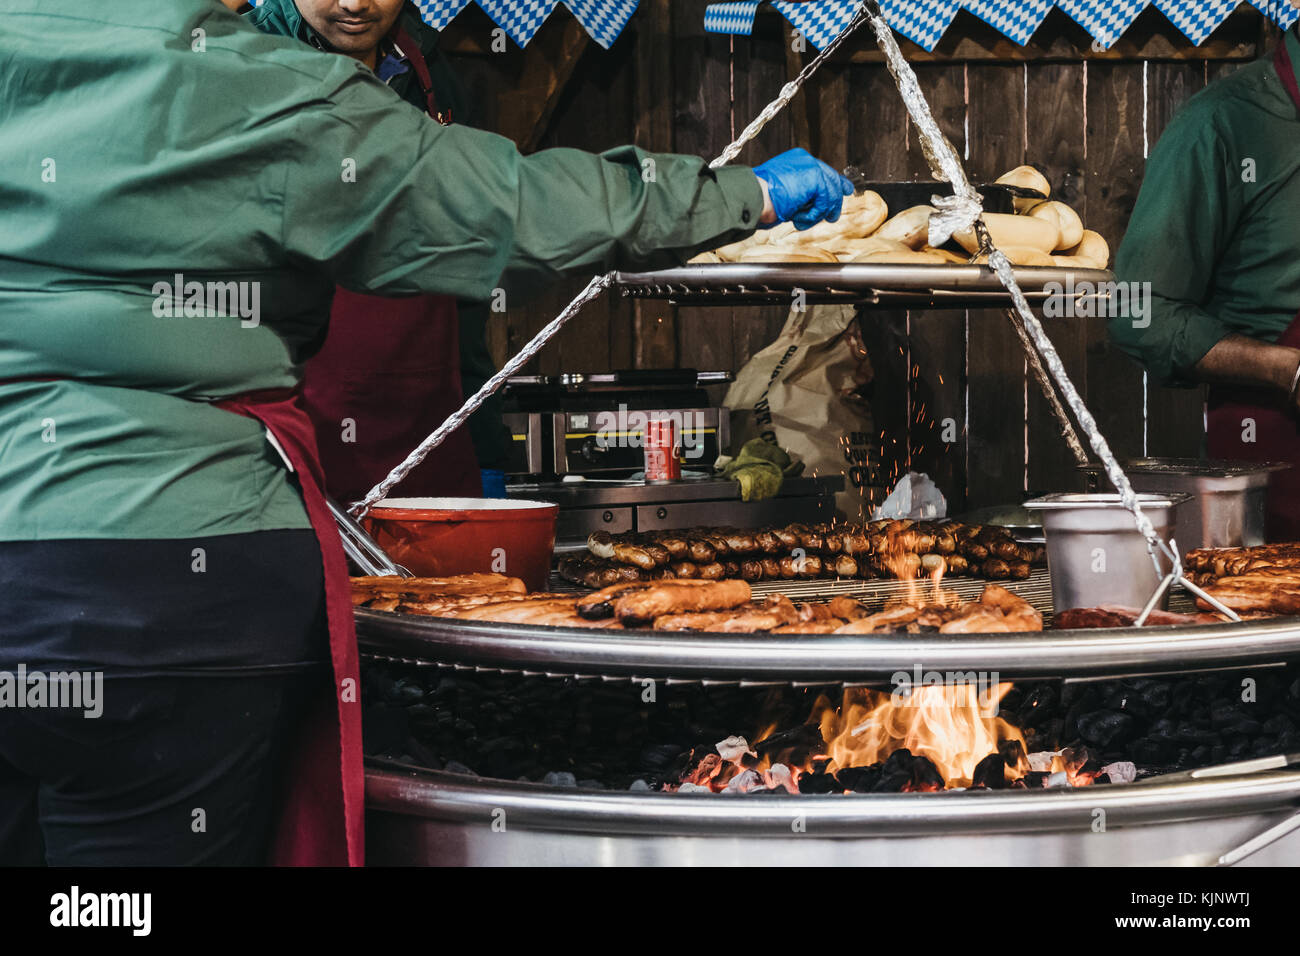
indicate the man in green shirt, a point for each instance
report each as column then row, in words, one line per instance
column 181, row 196
column 1213, row 238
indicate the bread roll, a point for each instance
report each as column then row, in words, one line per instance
column 911, row 227
column 1066, row 220
column 704, row 258
column 1092, row 252
column 845, row 250
column 859, row 218
column 1026, row 177
column 1023, row 256
column 1024, row 232
column 733, row 252
column 948, row 255
column 785, row 253
column 902, row 256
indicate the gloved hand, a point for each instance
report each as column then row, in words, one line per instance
column 804, row 190
column 760, row 468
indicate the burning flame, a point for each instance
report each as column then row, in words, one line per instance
column 955, row 727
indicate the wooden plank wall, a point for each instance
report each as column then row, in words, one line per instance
column 1087, row 122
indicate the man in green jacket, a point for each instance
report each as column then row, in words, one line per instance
column 1213, row 239
column 394, row 393
column 181, row 197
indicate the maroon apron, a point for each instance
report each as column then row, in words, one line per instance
column 321, row 819
column 387, row 376
column 1249, row 424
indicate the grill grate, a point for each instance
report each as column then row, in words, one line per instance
column 1037, row 590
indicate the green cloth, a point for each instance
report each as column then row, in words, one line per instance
column 760, row 468
column 487, row 430
column 1220, row 250
column 230, row 163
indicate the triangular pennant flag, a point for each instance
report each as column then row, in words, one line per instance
column 921, row 21
column 735, row 17
column 1197, row 19
column 1016, row 20
column 521, row 19
column 604, row 20
column 439, row 13
column 822, row 22
column 1106, row 20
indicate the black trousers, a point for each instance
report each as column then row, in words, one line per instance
column 204, row 678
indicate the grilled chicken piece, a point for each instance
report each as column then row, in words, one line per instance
column 888, row 620
column 724, row 622
column 828, row 626
column 391, row 586
column 677, row 597
column 846, row 608
column 601, row 604
column 1258, row 592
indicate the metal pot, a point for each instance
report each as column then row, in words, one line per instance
column 1228, row 506
column 1095, row 553
column 422, row 818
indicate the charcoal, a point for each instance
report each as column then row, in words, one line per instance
column 1279, row 724
column 1104, row 727
column 1100, row 779
column 1264, row 746
column 1035, row 779
column 796, row 744
column 560, row 779
column 455, row 767
column 925, row 775
column 990, row 772
column 894, row 781
column 1012, row 752
column 639, row 785
column 658, row 756
column 900, row 759
column 819, row 783
column 860, row 779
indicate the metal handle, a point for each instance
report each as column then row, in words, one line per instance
column 362, row 549
column 1254, row 845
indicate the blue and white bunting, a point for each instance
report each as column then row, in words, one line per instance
column 924, row 21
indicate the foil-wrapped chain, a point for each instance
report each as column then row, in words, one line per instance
column 594, row 288
column 783, row 98
column 956, row 216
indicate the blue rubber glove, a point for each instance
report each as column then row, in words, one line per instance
column 804, row 190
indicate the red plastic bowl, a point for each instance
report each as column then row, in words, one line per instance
column 437, row 537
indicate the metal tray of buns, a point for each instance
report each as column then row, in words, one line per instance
column 883, row 285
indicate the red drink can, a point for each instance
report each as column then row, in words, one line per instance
column 661, row 460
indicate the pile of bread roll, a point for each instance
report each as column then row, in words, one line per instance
column 1039, row 233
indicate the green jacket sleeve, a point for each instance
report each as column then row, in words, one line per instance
column 393, row 204
column 1185, row 213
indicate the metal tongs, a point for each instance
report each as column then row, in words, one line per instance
column 1256, row 765
column 361, row 549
